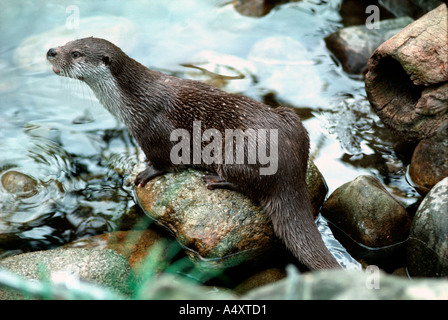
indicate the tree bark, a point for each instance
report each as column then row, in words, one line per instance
column 407, row 79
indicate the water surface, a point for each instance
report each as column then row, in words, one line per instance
column 54, row 130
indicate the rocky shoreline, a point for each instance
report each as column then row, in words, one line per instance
column 214, row 235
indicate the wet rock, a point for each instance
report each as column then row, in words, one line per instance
column 256, row 8
column 316, row 186
column 353, row 46
column 260, row 279
column 221, row 227
column 18, row 190
column 407, row 79
column 350, row 285
column 429, row 162
column 134, row 218
column 104, row 268
column 353, row 12
column 171, row 287
column 19, row 183
column 427, row 252
column 410, row 8
column 133, row 245
column 368, row 221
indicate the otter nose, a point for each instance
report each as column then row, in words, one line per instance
column 51, row 53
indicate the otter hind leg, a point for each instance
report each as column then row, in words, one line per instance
column 147, row 175
column 214, row 181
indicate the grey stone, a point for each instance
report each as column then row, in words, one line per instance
column 345, row 285
column 103, row 268
column 354, row 45
column 368, row 221
column 427, row 250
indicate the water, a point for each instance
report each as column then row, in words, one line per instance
column 55, row 131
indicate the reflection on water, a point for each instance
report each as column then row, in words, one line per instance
column 54, row 130
column 339, row 252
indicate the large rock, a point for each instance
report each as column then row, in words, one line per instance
column 367, row 220
column 218, row 226
column 429, row 163
column 346, row 285
column 134, row 245
column 407, row 79
column 221, row 227
column 103, row 268
column 427, row 251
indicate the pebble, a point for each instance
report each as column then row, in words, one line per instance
column 19, row 183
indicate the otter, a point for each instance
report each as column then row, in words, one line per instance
column 152, row 104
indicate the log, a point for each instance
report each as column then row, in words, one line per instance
column 407, row 78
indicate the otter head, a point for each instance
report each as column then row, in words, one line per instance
column 94, row 61
column 84, row 59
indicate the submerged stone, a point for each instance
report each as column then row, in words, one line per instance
column 19, row 183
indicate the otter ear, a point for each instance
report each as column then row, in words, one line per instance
column 106, row 59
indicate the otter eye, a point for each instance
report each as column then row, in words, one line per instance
column 76, row 54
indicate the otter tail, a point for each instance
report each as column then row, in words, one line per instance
column 294, row 223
